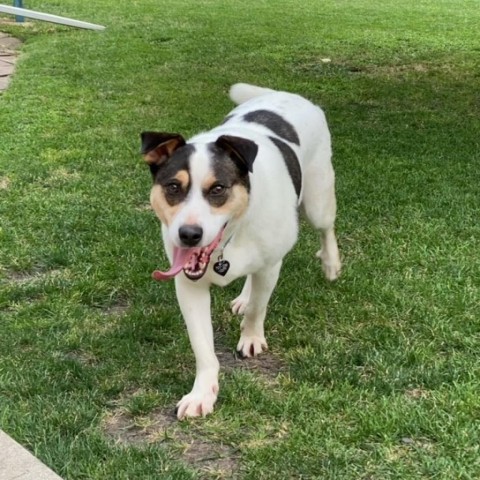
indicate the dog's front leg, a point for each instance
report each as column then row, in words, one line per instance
column 194, row 300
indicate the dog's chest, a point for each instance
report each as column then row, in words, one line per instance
column 251, row 251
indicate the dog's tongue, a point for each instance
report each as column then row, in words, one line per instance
column 182, row 255
column 180, row 258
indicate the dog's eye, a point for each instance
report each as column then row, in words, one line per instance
column 172, row 188
column 217, row 190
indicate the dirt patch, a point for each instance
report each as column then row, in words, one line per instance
column 212, row 459
column 402, row 70
column 317, row 66
column 4, row 183
column 117, row 310
column 266, row 364
column 186, row 441
column 417, row 393
column 21, row 278
column 127, row 430
column 63, row 175
column 81, row 357
column 221, row 461
column 144, row 208
column 418, row 443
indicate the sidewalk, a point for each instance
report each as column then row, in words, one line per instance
column 8, row 57
column 16, row 463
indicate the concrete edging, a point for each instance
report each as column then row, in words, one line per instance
column 17, row 463
column 8, row 56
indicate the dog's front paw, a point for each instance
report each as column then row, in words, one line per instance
column 239, row 305
column 251, row 345
column 197, row 403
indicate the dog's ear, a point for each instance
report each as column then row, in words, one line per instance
column 159, row 146
column 240, row 150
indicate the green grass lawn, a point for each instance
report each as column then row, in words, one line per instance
column 376, row 376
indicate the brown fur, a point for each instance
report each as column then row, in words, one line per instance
column 184, row 178
column 237, row 202
column 164, row 211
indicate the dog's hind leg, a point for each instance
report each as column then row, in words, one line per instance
column 252, row 337
column 329, row 254
column 320, row 206
column 240, row 303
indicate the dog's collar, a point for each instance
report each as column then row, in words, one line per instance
column 222, row 266
column 222, row 248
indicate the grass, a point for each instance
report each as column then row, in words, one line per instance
column 378, row 374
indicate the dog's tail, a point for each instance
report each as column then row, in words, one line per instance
column 241, row 92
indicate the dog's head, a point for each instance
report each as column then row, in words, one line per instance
column 197, row 189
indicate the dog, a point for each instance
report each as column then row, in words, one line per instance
column 228, row 202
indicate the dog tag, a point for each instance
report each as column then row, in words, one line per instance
column 221, row 267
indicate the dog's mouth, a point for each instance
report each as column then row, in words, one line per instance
column 193, row 261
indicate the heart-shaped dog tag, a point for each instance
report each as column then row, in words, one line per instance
column 221, row 267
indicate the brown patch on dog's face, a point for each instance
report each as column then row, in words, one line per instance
column 236, row 202
column 171, row 185
column 167, row 197
column 226, row 188
column 184, row 178
column 224, row 196
column 162, row 208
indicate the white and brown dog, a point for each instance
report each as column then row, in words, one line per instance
column 228, row 202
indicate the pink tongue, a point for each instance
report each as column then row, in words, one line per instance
column 180, row 257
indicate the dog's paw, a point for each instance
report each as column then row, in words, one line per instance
column 251, row 345
column 331, row 272
column 331, row 268
column 197, row 403
column 239, row 304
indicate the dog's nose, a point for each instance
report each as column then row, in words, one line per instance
column 190, row 235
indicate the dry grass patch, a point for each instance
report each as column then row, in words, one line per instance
column 117, row 310
column 4, row 183
column 21, row 278
column 211, row 458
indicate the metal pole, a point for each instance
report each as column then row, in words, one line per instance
column 49, row 18
column 18, row 4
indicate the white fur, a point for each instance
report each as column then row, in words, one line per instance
column 260, row 239
column 242, row 92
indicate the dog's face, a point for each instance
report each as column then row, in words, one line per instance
column 198, row 188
